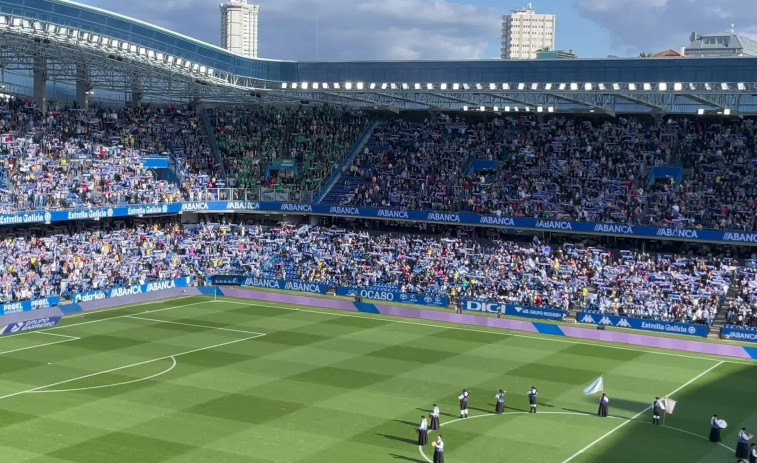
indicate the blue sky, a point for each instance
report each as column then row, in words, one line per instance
column 445, row 29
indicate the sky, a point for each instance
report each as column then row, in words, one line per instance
column 336, row 30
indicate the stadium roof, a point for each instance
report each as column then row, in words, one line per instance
column 120, row 55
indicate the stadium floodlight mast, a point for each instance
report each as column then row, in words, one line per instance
column 724, row 86
column 574, row 86
column 479, row 87
column 548, row 86
column 632, row 87
column 492, row 86
column 325, row 85
column 429, row 86
column 373, row 86
column 616, row 86
column 417, row 86
column 741, row 86
column 678, row 86
column 647, row 87
column 562, row 86
column 466, row 87
column 360, row 85
column 505, row 86
column 337, row 86
column 455, row 86
column 588, row 86
column 348, row 85
column 662, row 86
column 315, row 85
column 534, row 86
column 602, row 87
column 443, row 86
column 521, row 86
column 304, row 85
column 384, row 86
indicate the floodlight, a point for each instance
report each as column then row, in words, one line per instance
column 443, row 86
column 548, row 86
column 373, row 86
column 727, row 111
column 574, row 86
column 325, row 85
column 143, row 52
column 315, row 85
column 496, row 109
column 455, row 86
column 507, row 109
column 663, row 86
column 393, row 86
column 647, row 86
column 551, row 109
column 211, row 71
column 294, row 85
column 561, row 86
column 16, row 22
column 151, row 54
column 417, row 86
column 203, row 69
column 700, row 111
column 466, row 87
column 384, row 86
column 360, row 85
column 741, row 86
column 179, row 62
column 505, row 86
column 521, row 86
column 465, row 108
column 304, row 85
column 348, row 85
column 479, row 87
column 337, row 86
column 677, row 86
column 616, row 87
column 708, row 87
column 724, row 86
column 133, row 48
column 515, row 109
column 429, row 86
column 632, row 87
column 588, row 86
column 3, row 21
column 539, row 109
column 602, row 87
column 492, row 86
column 692, row 86
column 534, row 86
column 170, row 59
column 405, row 86
column 482, row 108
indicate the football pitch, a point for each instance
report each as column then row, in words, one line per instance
column 202, row 380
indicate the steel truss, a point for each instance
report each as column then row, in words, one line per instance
column 101, row 63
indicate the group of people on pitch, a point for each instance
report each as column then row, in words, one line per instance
column 745, row 452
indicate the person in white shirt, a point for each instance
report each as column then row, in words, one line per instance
column 435, row 418
column 423, row 432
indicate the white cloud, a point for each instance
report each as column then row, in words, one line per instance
column 348, row 29
column 654, row 25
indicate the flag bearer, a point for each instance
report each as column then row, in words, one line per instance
column 603, row 407
column 657, row 408
column 532, row 399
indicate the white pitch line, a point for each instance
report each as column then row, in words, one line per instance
column 611, row 431
column 503, row 332
column 420, row 448
column 34, row 389
column 73, row 338
column 38, row 345
column 102, row 386
column 193, row 324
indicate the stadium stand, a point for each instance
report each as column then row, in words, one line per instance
column 284, row 148
column 562, row 168
column 568, row 277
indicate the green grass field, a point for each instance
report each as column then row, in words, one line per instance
column 197, row 380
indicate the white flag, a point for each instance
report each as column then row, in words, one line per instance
column 597, row 386
column 670, row 405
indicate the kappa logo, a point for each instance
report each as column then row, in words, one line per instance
column 588, row 319
column 624, row 323
column 605, row 321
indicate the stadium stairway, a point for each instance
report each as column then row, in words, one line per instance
column 329, row 189
column 210, row 133
column 720, row 316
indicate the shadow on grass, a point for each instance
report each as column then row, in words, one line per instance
column 404, row 458
column 414, row 424
column 400, row 439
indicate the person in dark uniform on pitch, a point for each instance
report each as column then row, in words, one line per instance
column 439, row 450
column 752, row 454
column 532, row 399
column 714, row 429
column 657, row 409
column 434, row 418
column 500, row 402
column 603, row 407
column 742, row 447
column 464, row 403
column 423, row 432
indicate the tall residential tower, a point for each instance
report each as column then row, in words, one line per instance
column 239, row 27
column 524, row 33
